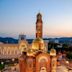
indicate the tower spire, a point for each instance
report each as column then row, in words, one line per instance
column 39, row 25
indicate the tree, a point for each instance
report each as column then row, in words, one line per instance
column 1, row 66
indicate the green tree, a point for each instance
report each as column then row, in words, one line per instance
column 1, row 66
column 69, row 55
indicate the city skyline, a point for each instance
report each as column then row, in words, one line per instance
column 18, row 17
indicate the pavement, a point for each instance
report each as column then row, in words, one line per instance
column 12, row 69
column 63, row 67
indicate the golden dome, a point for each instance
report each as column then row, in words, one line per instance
column 30, row 52
column 38, row 44
column 23, row 46
column 53, row 52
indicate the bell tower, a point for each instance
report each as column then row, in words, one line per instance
column 39, row 26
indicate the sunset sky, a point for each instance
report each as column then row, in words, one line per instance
column 19, row 16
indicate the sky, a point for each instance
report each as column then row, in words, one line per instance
column 19, row 17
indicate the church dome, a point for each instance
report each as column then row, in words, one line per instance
column 30, row 52
column 23, row 46
column 38, row 44
column 53, row 52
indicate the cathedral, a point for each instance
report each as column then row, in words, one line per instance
column 35, row 57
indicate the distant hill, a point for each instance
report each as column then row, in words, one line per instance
column 67, row 40
column 13, row 40
column 8, row 40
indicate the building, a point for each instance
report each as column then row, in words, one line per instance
column 9, row 51
column 35, row 56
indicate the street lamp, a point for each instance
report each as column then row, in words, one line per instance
column 13, row 59
column 67, row 62
column 2, row 63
